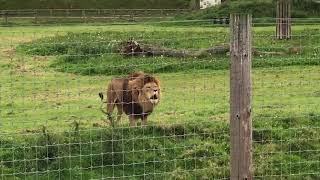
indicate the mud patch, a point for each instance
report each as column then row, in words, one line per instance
column 8, row 52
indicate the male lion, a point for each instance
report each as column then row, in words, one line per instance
column 135, row 95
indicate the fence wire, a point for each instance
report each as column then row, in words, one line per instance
column 52, row 126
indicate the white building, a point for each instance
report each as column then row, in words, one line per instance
column 208, row 3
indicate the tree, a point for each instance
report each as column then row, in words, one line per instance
column 283, row 30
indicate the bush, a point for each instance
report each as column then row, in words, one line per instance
column 258, row 9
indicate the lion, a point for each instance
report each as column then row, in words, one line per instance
column 135, row 95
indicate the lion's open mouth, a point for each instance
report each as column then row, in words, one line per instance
column 154, row 97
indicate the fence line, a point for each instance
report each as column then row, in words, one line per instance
column 126, row 14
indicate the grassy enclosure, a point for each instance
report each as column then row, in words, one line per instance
column 51, row 125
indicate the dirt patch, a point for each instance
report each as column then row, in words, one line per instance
column 21, row 68
column 8, row 52
column 40, row 58
column 26, row 69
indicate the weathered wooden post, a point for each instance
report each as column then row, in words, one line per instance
column 195, row 5
column 68, row 13
column 84, row 16
column 283, row 30
column 240, row 97
column 132, row 16
column 5, row 15
column 35, row 13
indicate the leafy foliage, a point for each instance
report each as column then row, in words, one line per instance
column 258, row 9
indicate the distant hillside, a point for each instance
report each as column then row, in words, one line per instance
column 259, row 8
column 94, row 4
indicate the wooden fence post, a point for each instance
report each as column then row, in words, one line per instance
column 240, row 97
column 195, row 5
column 84, row 16
column 6, row 17
column 35, row 13
column 283, row 30
column 68, row 13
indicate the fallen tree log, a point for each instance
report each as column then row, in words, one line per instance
column 133, row 48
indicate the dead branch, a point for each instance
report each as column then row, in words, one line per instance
column 133, row 48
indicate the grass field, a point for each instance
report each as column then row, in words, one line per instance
column 51, row 125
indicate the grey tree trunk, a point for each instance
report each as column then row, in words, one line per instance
column 283, row 19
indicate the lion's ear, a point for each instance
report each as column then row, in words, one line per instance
column 157, row 81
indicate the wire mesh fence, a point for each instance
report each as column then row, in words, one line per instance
column 71, row 16
column 52, row 126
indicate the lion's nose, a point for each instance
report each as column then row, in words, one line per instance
column 155, row 90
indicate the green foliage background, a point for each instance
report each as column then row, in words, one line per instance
column 258, row 8
column 96, row 4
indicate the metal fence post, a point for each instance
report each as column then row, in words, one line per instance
column 240, row 97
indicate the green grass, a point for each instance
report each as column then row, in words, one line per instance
column 188, row 134
column 97, row 52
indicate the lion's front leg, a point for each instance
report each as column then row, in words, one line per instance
column 144, row 121
column 120, row 112
column 133, row 121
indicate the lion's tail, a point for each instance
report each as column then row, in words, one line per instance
column 102, row 108
column 101, row 96
column 102, row 103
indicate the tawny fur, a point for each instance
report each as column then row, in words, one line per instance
column 135, row 95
